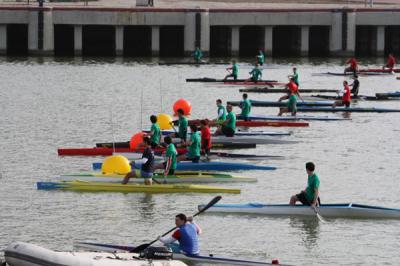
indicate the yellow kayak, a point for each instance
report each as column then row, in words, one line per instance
column 115, row 187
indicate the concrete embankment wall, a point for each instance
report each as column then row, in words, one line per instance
column 220, row 32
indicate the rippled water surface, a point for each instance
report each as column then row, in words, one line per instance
column 47, row 103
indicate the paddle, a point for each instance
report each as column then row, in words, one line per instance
column 318, row 215
column 142, row 247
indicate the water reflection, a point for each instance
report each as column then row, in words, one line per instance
column 309, row 229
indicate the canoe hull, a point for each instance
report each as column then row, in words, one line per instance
column 294, row 118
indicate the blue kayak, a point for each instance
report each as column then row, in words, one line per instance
column 210, row 166
column 294, row 118
column 347, row 109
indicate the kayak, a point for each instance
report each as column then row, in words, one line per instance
column 25, row 254
column 211, row 258
column 79, row 185
column 244, row 133
column 357, row 98
column 395, row 94
column 215, row 145
column 255, row 103
column 269, row 90
column 179, row 177
column 359, row 73
column 251, row 139
column 294, row 118
column 347, row 109
column 379, row 70
column 252, row 83
column 343, row 210
column 210, row 166
column 258, row 123
column 213, row 80
column 136, row 156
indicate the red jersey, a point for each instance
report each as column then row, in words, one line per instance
column 346, row 96
column 206, row 137
column 391, row 61
column 293, row 87
column 353, row 63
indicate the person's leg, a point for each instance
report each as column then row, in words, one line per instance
column 128, row 176
column 293, row 200
column 148, row 181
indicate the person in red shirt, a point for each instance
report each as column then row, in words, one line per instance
column 205, row 138
column 292, row 88
column 391, row 62
column 353, row 66
column 346, row 98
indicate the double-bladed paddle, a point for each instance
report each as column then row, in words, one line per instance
column 142, row 247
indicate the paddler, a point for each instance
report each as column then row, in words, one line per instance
column 147, row 165
column 291, row 105
column 291, row 87
column 346, row 98
column 198, row 54
column 295, row 77
column 182, row 126
column 391, row 62
column 169, row 165
column 228, row 127
column 245, row 105
column 205, row 138
column 260, row 58
column 221, row 111
column 186, row 234
column 194, row 144
column 233, row 71
column 255, row 73
column 355, row 86
column 155, row 132
column 353, row 66
column 310, row 195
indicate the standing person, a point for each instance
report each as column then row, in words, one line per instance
column 198, row 54
column 292, row 88
column 194, row 144
column 221, row 111
column 295, row 77
column 260, row 58
column 391, row 62
column 255, row 73
column 291, row 105
column 346, row 98
column 155, row 132
column 205, row 138
column 245, row 105
column 310, row 195
column 186, row 234
column 182, row 126
column 233, row 71
column 353, row 66
column 170, row 157
column 355, row 86
column 147, row 165
column 229, row 125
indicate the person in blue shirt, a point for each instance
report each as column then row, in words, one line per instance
column 186, row 234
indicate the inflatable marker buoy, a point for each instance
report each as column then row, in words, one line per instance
column 164, row 121
column 116, row 164
column 184, row 105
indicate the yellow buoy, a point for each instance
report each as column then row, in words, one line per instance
column 164, row 121
column 116, row 164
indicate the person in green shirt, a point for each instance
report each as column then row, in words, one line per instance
column 256, row 74
column 291, row 105
column 194, row 144
column 295, row 77
column 198, row 54
column 310, row 195
column 182, row 126
column 170, row 157
column 260, row 57
column 233, row 71
column 155, row 132
column 245, row 105
column 221, row 111
column 229, row 125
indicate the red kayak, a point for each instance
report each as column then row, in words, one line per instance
column 258, row 123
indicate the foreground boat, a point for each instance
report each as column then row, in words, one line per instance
column 131, row 188
column 294, row 118
column 257, row 123
column 180, row 177
column 255, row 103
column 25, row 254
column 269, row 90
column 211, row 258
column 210, row 166
column 346, row 210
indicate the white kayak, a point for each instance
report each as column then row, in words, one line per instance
column 250, row 139
column 25, row 254
column 345, row 210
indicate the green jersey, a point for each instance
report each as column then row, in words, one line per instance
column 235, row 70
column 156, row 131
column 295, row 77
column 221, row 113
column 246, row 107
column 198, row 55
column 312, row 184
column 261, row 58
column 194, row 148
column 232, row 121
column 256, row 74
column 183, row 125
column 171, row 153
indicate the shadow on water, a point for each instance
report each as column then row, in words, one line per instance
column 309, row 229
column 144, row 204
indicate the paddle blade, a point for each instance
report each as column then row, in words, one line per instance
column 210, row 204
column 140, row 248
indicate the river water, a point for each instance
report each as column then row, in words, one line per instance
column 48, row 103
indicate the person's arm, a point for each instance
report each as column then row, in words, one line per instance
column 315, row 200
column 167, row 239
column 141, row 161
column 301, row 98
column 167, row 166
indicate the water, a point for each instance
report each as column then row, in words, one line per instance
column 47, row 103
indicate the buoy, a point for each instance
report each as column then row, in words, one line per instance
column 116, row 164
column 164, row 121
column 136, row 140
column 184, row 105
